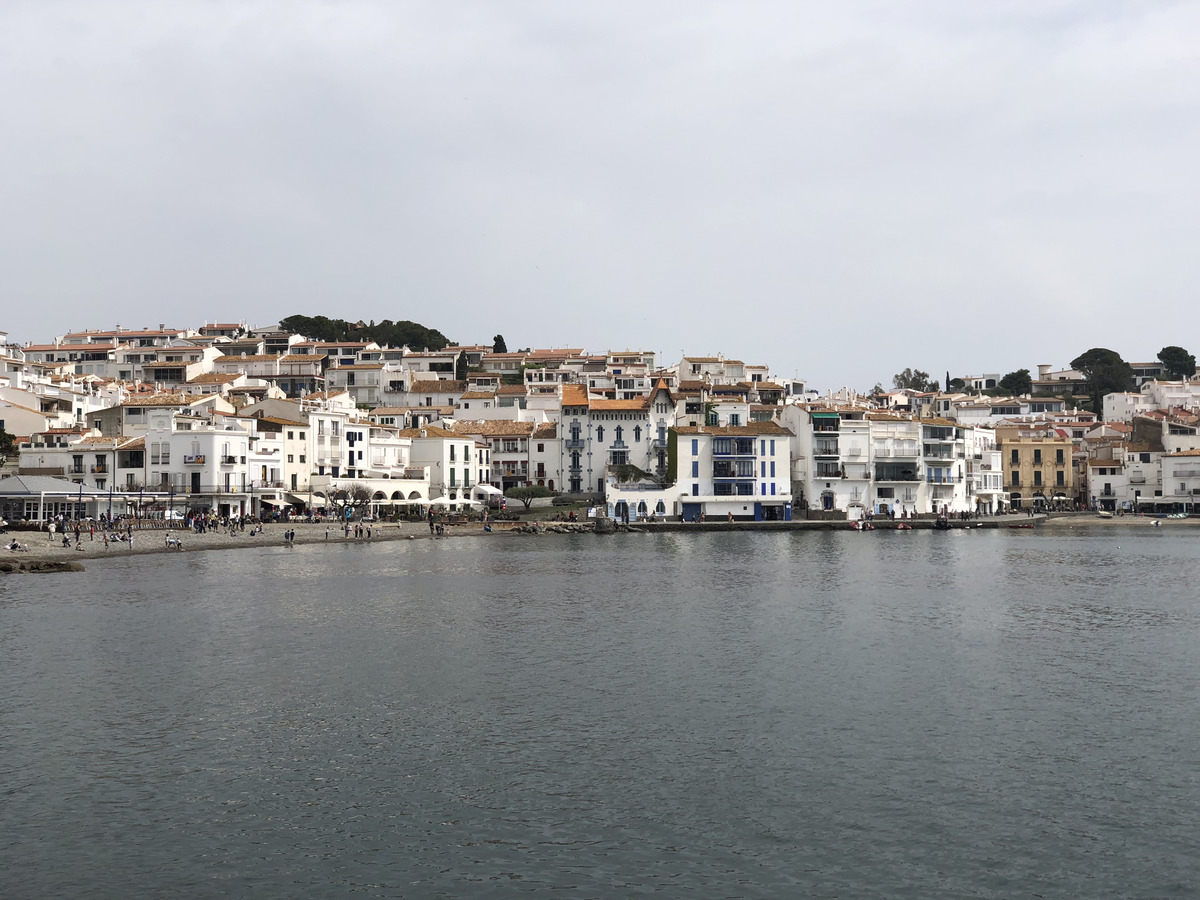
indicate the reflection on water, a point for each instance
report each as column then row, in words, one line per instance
column 834, row 714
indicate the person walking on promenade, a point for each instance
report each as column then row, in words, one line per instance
column 50, row 533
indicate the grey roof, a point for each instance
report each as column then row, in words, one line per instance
column 23, row 485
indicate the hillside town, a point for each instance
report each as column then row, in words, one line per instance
column 242, row 422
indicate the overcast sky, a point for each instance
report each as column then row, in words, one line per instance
column 838, row 190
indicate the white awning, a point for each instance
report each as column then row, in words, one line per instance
column 487, row 489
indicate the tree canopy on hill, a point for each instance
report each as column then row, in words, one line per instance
column 1178, row 363
column 1017, row 383
column 1106, row 373
column 396, row 334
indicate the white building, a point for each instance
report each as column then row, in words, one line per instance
column 739, row 471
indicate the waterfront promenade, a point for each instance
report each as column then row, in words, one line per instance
column 154, row 540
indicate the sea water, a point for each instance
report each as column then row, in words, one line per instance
column 893, row 714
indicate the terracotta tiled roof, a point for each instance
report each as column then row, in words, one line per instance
column 546, row 431
column 427, row 431
column 257, row 357
column 498, row 428
column 752, row 429
column 574, row 395
column 215, row 378
column 479, row 395
column 512, row 390
column 641, row 404
column 159, row 400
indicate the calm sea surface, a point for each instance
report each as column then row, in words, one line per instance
column 973, row 714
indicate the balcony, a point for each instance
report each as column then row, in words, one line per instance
column 100, row 469
column 825, row 448
column 943, row 479
column 733, row 447
column 891, row 475
column 573, row 443
column 1185, row 473
column 227, row 460
column 78, row 469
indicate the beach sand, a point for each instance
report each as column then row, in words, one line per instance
column 153, row 540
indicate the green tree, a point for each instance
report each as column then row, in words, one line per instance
column 498, row 345
column 914, row 380
column 528, row 494
column 1105, row 372
column 1177, row 362
column 460, row 366
column 1016, row 383
column 8, row 446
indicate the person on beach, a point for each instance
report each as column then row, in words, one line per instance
column 50, row 533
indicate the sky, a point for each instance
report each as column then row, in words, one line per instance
column 837, row 190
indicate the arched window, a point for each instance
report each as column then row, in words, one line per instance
column 637, row 432
column 642, row 508
column 620, row 432
column 600, row 433
column 661, row 508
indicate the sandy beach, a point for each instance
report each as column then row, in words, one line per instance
column 1091, row 520
column 154, row 540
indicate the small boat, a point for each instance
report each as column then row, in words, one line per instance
column 1104, row 514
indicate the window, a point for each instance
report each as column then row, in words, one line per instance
column 1060, row 479
column 762, row 470
column 637, row 432
column 541, row 448
column 1058, row 456
column 1016, row 457
column 291, row 458
column 451, row 453
column 735, row 419
column 1037, row 478
column 302, row 457
column 772, row 446
column 600, row 433
column 1037, row 457
column 302, row 436
column 772, row 468
column 1016, row 479
column 695, row 447
column 695, row 469
column 291, row 435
